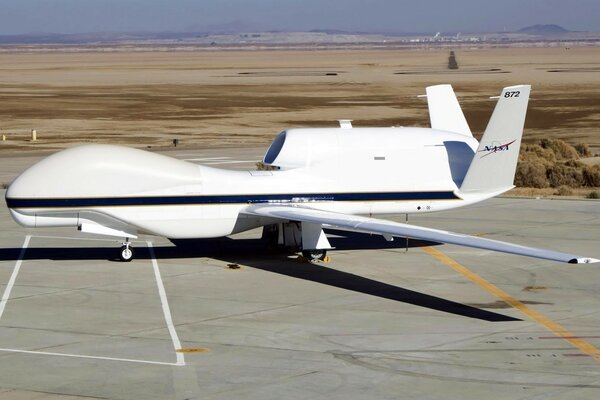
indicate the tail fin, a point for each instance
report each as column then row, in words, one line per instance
column 444, row 111
column 495, row 162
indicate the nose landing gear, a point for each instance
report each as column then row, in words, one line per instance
column 126, row 252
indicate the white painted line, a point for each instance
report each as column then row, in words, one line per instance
column 47, row 353
column 161, row 292
column 206, row 159
column 13, row 277
column 188, row 154
column 230, row 162
column 165, row 306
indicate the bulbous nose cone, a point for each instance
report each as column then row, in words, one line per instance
column 101, row 171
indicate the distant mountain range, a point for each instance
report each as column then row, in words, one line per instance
column 233, row 28
column 543, row 30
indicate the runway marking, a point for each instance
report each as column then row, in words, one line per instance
column 206, row 159
column 13, row 276
column 192, row 350
column 569, row 337
column 229, row 162
column 188, row 155
column 47, row 353
column 554, row 327
column 165, row 307
column 163, row 299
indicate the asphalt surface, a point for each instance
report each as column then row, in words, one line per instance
column 377, row 322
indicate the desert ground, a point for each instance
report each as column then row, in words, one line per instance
column 223, row 98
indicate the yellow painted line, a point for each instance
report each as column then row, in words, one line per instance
column 192, row 350
column 538, row 317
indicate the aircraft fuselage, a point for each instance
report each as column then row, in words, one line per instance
column 370, row 171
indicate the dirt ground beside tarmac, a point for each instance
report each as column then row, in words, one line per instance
column 221, row 98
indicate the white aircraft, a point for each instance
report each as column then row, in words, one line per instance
column 318, row 178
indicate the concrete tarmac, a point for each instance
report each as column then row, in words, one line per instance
column 377, row 322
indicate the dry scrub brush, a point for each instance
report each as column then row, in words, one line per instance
column 554, row 163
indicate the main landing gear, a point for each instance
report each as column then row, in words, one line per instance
column 316, row 255
column 294, row 236
column 126, row 252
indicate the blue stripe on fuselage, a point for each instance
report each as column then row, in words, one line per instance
column 224, row 199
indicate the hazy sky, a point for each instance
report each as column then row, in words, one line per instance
column 74, row 16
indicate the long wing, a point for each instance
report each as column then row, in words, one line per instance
column 382, row 227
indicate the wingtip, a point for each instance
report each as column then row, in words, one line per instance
column 583, row 260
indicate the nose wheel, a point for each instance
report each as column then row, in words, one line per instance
column 126, row 252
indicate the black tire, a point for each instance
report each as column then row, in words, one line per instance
column 314, row 254
column 126, row 253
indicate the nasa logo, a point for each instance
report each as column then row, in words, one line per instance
column 495, row 147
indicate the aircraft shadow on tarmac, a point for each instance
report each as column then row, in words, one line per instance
column 253, row 253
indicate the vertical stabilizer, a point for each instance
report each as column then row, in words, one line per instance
column 444, row 111
column 495, row 162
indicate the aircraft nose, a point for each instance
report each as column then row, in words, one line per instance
column 12, row 193
column 21, row 188
column 28, row 207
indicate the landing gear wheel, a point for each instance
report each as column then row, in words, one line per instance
column 126, row 253
column 313, row 255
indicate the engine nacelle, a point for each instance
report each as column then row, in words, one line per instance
column 374, row 153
